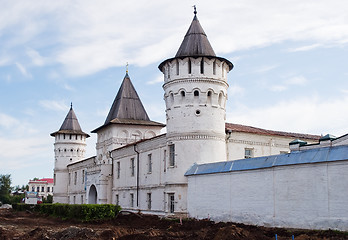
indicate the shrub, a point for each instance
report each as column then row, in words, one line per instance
column 83, row 212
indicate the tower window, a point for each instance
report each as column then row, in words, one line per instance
column 202, row 66
column 118, row 169
column 149, row 201
column 182, row 93
column 132, row 166
column 196, row 93
column 171, row 155
column 214, row 67
column 132, row 200
column 168, row 71
column 149, row 161
column 177, row 67
column 189, row 66
column 209, row 97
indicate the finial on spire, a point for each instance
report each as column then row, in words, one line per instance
column 127, row 67
column 71, row 105
column 195, row 9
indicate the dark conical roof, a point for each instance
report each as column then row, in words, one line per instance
column 127, row 104
column 70, row 125
column 127, row 107
column 195, row 42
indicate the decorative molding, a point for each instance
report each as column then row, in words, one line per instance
column 195, row 80
column 195, row 136
column 267, row 144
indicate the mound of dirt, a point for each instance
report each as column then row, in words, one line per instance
column 27, row 225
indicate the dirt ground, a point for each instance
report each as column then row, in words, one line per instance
column 27, row 225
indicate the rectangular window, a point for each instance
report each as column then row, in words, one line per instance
column 214, row 67
column 74, row 200
column 83, row 176
column 118, row 169
column 248, row 153
column 75, row 178
column 38, row 189
column 117, row 200
column 33, row 189
column 164, row 160
column 149, row 162
column 69, row 178
column 48, row 189
column 171, row 201
column 42, row 189
column 54, row 179
column 149, row 201
column 81, row 199
column 132, row 200
column 172, row 155
column 132, row 163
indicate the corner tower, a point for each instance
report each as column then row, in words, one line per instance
column 69, row 147
column 195, row 92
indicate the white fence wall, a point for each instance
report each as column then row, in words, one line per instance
column 313, row 196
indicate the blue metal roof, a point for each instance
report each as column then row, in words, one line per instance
column 315, row 155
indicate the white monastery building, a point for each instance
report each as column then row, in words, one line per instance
column 202, row 166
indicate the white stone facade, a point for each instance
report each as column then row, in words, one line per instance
column 141, row 170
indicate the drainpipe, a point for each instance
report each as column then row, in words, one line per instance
column 135, row 150
column 112, row 172
column 228, row 132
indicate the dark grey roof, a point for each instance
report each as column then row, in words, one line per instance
column 70, row 125
column 127, row 104
column 315, row 155
column 127, row 108
column 195, row 42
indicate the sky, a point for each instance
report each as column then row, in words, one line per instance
column 290, row 66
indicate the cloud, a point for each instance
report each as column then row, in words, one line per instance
column 303, row 115
column 305, row 48
column 297, row 81
column 158, row 79
column 264, row 69
column 235, row 90
column 23, row 70
column 278, row 88
column 54, row 105
column 36, row 58
column 8, row 121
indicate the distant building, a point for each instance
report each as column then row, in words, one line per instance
column 43, row 187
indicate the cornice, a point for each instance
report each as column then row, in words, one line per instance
column 195, row 80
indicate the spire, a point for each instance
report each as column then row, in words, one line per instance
column 127, row 104
column 195, row 42
column 70, row 125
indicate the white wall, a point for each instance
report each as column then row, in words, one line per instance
column 312, row 196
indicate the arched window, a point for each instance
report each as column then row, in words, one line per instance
column 171, row 99
column 202, row 66
column 182, row 93
column 220, row 99
column 189, row 66
column 209, row 97
column 196, row 93
column 223, row 69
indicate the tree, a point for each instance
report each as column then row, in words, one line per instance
column 5, row 188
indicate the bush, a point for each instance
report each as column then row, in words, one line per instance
column 83, row 212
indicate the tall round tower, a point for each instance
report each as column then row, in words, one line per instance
column 195, row 86
column 69, row 147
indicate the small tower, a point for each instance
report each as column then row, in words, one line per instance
column 69, row 147
column 127, row 122
column 195, row 93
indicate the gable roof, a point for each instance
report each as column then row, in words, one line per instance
column 70, row 125
column 127, row 108
column 255, row 130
